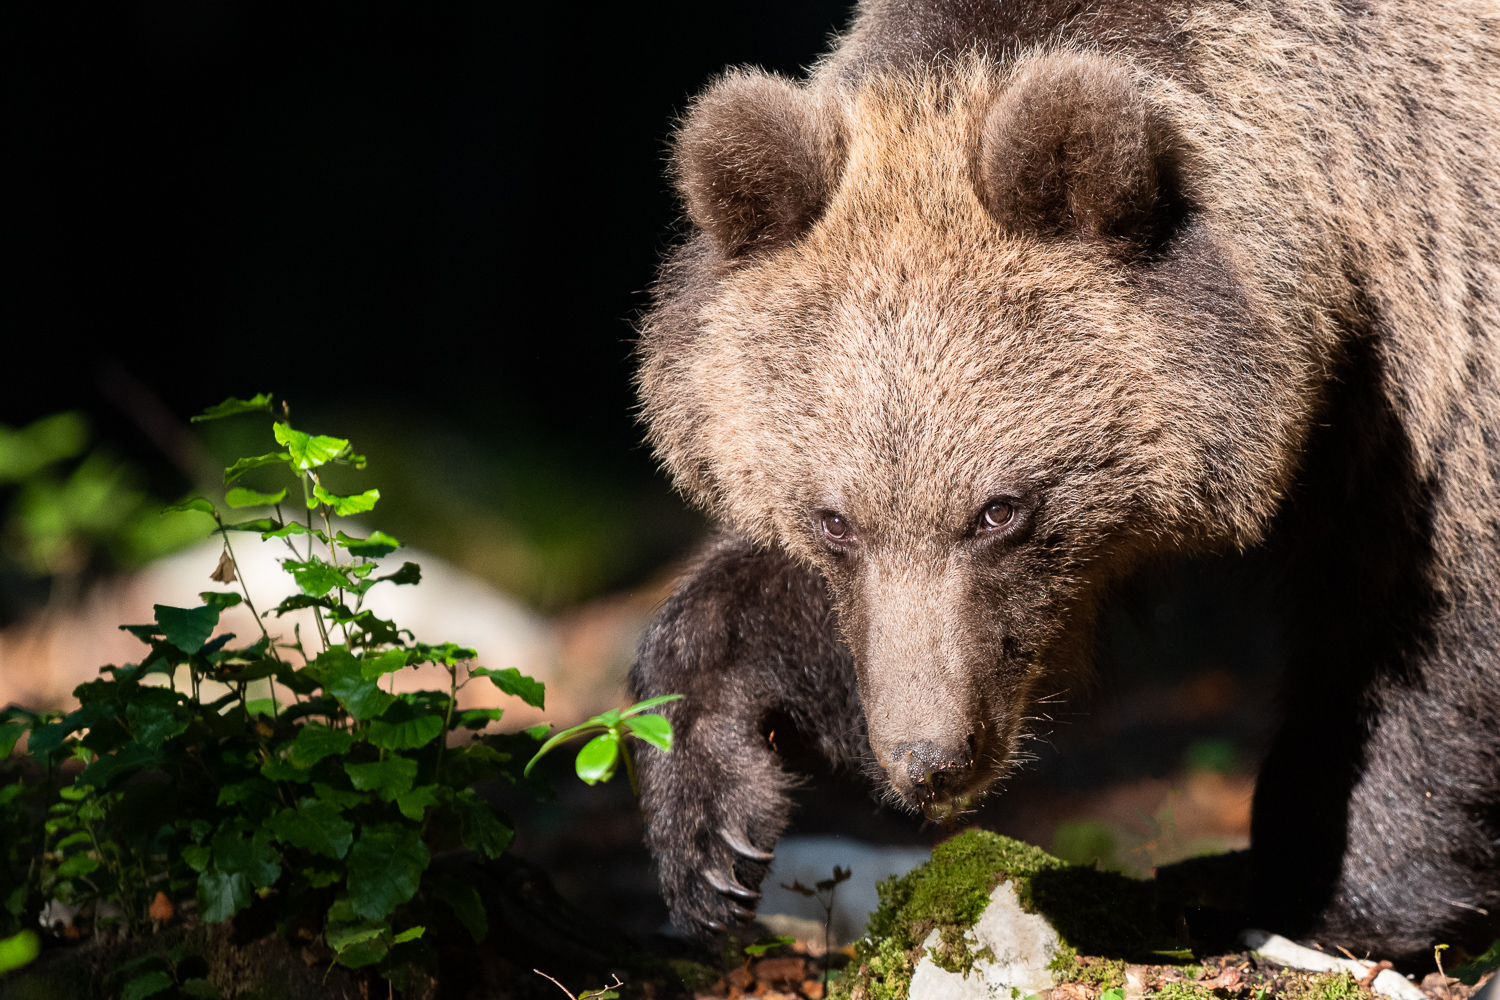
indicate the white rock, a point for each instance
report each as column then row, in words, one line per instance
column 1022, row 943
column 1275, row 948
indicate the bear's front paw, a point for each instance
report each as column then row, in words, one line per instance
column 709, row 884
column 713, row 815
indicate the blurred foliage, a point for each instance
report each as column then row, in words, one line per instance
column 1086, row 842
column 72, row 510
column 1219, row 755
column 522, row 514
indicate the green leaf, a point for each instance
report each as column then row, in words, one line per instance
column 641, row 706
column 414, row 804
column 362, row 698
column 402, row 728
column 353, row 938
column 196, row 503
column 110, row 766
column 78, row 864
column 512, row 681
column 654, row 729
column 239, row 496
column 320, row 879
column 410, row 934
column 187, row 628
column 308, row 451
column 220, row 598
column 377, row 545
column 477, row 718
column 344, row 506
column 155, row 715
column 315, row 577
column 480, row 829
column 197, row 856
column 597, row 760
column 231, row 406
column 19, row 950
column 409, row 573
column 365, row 953
column 277, row 769
column 9, row 734
column 244, row 465
column 253, row 857
column 766, row 944
column 338, row 796
column 221, row 896
column 260, row 524
column 278, row 530
column 146, row 985
column 388, row 662
column 314, row 825
column 314, row 742
column 448, row 654
column 539, row 732
column 390, row 777
column 385, row 867
column 250, row 790
column 464, row 900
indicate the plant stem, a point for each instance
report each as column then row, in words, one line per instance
column 635, row 785
column 447, row 720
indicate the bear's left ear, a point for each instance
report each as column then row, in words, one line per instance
column 1072, row 146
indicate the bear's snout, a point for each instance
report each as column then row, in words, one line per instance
column 928, row 772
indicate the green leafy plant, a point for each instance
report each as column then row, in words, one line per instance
column 601, row 755
column 287, row 774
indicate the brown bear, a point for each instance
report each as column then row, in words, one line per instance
column 1007, row 300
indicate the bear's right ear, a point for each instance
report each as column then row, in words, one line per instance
column 756, row 161
column 1073, row 146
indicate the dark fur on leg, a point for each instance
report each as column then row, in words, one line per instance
column 748, row 632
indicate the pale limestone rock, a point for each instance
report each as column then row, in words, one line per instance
column 1022, row 943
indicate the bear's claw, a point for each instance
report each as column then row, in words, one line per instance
column 729, row 887
column 741, row 914
column 742, row 847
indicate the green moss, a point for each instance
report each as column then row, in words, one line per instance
column 1327, row 986
column 692, row 975
column 1185, row 990
column 1473, row 970
column 1096, row 913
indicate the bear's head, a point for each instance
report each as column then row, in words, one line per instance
column 972, row 344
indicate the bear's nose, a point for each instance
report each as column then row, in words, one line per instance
column 932, row 770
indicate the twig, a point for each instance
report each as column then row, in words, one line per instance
column 559, row 985
column 1375, row 970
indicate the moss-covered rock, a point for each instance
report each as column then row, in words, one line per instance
column 1094, row 912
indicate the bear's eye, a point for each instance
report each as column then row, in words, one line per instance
column 996, row 515
column 836, row 527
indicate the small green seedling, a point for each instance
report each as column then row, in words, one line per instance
column 1115, row 994
column 765, row 944
column 601, row 755
column 824, row 891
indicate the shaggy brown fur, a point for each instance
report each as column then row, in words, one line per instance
column 998, row 306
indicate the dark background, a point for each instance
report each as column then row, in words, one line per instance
column 447, row 213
